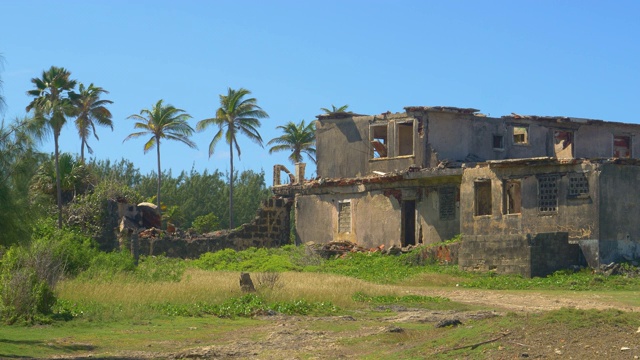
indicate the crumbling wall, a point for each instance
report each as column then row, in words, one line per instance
column 619, row 225
column 526, row 255
column 270, row 228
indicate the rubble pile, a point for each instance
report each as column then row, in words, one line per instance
column 338, row 249
column 619, row 269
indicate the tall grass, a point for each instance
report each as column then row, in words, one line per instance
column 123, row 298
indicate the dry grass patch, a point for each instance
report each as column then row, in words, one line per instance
column 217, row 286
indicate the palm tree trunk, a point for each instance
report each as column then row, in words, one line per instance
column 58, row 185
column 82, row 151
column 159, row 177
column 231, row 187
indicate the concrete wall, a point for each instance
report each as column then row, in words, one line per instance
column 526, row 255
column 619, row 226
column 577, row 216
column 376, row 212
column 344, row 149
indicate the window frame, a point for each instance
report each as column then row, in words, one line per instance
column 398, row 126
column 526, row 136
column 340, row 208
column 476, row 200
column 373, row 138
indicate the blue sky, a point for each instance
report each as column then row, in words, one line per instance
column 571, row 58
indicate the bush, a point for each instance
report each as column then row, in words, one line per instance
column 106, row 266
column 252, row 259
column 160, row 268
column 28, row 275
column 206, row 223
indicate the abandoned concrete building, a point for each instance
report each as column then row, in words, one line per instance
column 529, row 194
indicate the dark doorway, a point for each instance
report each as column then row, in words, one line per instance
column 408, row 222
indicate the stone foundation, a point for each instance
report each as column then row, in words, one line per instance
column 270, row 228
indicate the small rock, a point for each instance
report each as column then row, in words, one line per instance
column 638, row 332
column 395, row 329
column 624, row 348
column 524, row 355
column 448, row 322
column 558, row 351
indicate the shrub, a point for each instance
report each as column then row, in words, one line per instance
column 106, row 266
column 28, row 275
column 252, row 259
column 206, row 223
column 160, row 268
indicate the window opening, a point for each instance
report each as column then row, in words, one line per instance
column 622, row 146
column 447, row 199
column 405, row 138
column 344, row 217
column 520, row 135
column 408, row 222
column 563, row 144
column 548, row 193
column 482, row 197
column 512, row 197
column 379, row 141
column 578, row 185
column 498, row 142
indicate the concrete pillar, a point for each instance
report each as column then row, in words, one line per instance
column 300, row 172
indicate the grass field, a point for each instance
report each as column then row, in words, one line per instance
column 368, row 306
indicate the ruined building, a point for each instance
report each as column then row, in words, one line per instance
column 528, row 194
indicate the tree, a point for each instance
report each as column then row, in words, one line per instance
column 18, row 161
column 2, row 102
column 335, row 109
column 51, row 107
column 238, row 115
column 299, row 139
column 162, row 122
column 90, row 110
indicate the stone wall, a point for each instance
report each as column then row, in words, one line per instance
column 270, row 228
column 527, row 255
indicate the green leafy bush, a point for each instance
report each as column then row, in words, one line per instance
column 246, row 306
column 160, row 268
column 108, row 266
column 28, row 275
column 391, row 299
column 206, row 223
column 252, row 259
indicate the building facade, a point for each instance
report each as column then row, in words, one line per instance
column 528, row 194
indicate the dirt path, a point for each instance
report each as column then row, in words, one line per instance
column 529, row 301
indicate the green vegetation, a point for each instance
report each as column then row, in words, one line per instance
column 239, row 116
column 162, row 122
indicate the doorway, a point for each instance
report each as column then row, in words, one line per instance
column 408, row 222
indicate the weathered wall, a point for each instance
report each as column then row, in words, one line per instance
column 577, row 216
column 619, row 225
column 376, row 211
column 270, row 228
column 316, row 218
column 431, row 227
column 344, row 149
column 527, row 255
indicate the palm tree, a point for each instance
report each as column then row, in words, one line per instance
column 335, row 109
column 2, row 102
column 51, row 107
column 162, row 122
column 91, row 110
column 298, row 139
column 237, row 115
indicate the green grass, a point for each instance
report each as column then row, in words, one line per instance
column 78, row 338
column 584, row 280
